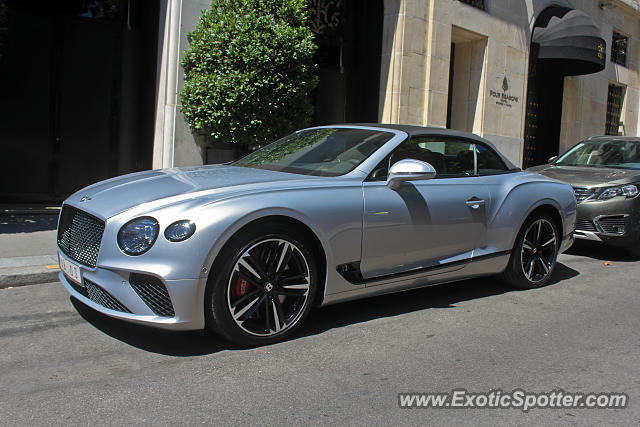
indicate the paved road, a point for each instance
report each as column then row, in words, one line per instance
column 61, row 363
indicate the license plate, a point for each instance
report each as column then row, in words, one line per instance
column 70, row 269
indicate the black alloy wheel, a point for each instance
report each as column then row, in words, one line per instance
column 534, row 255
column 264, row 291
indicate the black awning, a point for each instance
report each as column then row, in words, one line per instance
column 571, row 44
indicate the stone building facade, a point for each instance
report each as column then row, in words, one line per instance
column 464, row 65
column 95, row 84
column 492, row 53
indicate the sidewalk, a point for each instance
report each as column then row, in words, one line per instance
column 28, row 253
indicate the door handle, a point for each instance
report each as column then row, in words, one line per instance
column 475, row 203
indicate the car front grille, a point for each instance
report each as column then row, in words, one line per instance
column 585, row 224
column 98, row 295
column 582, row 193
column 153, row 292
column 612, row 224
column 79, row 235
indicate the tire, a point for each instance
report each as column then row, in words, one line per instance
column 534, row 254
column 262, row 285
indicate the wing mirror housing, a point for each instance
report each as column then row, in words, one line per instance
column 552, row 159
column 409, row 170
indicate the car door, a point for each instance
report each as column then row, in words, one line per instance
column 425, row 224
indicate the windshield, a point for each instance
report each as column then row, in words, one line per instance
column 609, row 154
column 323, row 152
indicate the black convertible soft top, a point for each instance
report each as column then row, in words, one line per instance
column 417, row 131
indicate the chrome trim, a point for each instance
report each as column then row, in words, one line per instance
column 584, row 190
column 601, row 230
column 409, row 170
column 587, row 235
column 435, row 269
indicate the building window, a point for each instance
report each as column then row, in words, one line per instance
column 615, row 100
column 475, row 3
column 619, row 45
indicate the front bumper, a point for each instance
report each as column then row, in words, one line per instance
column 614, row 222
column 111, row 292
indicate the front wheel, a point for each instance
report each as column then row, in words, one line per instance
column 534, row 254
column 263, row 287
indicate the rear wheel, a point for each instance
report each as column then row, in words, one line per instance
column 263, row 288
column 533, row 258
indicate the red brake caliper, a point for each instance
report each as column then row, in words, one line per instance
column 239, row 287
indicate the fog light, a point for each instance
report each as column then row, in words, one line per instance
column 179, row 231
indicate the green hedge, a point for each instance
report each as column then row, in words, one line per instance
column 249, row 71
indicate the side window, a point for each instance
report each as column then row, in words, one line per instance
column 489, row 162
column 450, row 158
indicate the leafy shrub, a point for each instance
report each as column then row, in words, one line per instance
column 249, row 71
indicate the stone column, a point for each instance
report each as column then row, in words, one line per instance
column 167, row 92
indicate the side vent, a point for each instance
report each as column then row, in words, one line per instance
column 351, row 272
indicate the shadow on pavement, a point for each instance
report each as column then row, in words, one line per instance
column 599, row 251
column 188, row 343
column 27, row 223
column 320, row 320
column 440, row 296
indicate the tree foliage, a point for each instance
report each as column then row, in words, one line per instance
column 249, row 71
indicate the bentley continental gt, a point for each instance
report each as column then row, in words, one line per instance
column 324, row 215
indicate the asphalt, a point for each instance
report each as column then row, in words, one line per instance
column 62, row 363
column 28, row 244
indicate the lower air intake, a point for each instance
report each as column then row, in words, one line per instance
column 98, row 295
column 585, row 224
column 153, row 292
column 612, row 224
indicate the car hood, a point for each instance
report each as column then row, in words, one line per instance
column 588, row 176
column 116, row 195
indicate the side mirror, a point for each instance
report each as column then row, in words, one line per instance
column 409, row 170
column 552, row 159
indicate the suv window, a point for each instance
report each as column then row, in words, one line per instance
column 450, row 158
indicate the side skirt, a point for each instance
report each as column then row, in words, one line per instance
column 480, row 266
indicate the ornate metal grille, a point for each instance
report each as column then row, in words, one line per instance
column 325, row 16
column 619, row 46
column 615, row 100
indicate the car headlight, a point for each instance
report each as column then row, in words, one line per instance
column 628, row 191
column 180, row 230
column 138, row 235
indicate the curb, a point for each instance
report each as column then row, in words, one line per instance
column 30, row 212
column 7, row 209
column 24, row 271
column 22, row 279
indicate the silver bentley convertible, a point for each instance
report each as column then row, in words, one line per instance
column 323, row 215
